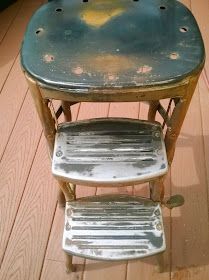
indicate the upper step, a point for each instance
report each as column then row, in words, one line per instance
column 109, row 151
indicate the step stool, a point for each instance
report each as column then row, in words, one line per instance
column 112, row 51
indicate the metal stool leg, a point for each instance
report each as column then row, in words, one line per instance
column 69, row 263
column 157, row 190
column 66, row 107
column 49, row 130
column 160, row 262
column 153, row 108
column 61, row 198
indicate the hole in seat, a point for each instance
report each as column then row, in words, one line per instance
column 59, row 10
column 183, row 29
column 162, row 7
column 39, row 30
column 85, row 1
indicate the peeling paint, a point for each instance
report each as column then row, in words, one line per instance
column 145, row 69
column 78, row 70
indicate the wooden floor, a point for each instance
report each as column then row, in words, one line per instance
column 31, row 223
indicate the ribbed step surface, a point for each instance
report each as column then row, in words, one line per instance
column 113, row 227
column 109, row 151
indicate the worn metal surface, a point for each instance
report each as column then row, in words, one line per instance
column 109, row 151
column 105, row 43
column 113, row 228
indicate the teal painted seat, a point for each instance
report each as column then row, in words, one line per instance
column 121, row 43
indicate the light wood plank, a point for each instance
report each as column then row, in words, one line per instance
column 55, row 270
column 10, row 105
column 204, row 101
column 200, row 10
column 15, row 166
column 27, row 244
column 190, row 223
column 7, row 16
column 10, row 46
column 190, row 239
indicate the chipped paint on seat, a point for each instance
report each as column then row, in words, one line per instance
column 117, row 44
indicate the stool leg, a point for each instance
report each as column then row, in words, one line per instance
column 61, row 198
column 160, row 262
column 69, row 263
column 153, row 106
column 66, row 107
column 157, row 190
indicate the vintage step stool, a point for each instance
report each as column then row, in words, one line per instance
column 112, row 51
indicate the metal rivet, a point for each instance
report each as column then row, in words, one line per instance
column 159, row 226
column 59, row 153
column 159, row 152
column 67, row 226
column 157, row 212
column 157, row 134
column 69, row 212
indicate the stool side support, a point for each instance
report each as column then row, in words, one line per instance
column 172, row 132
column 117, row 94
column 153, row 108
column 177, row 118
column 157, row 189
column 66, row 107
column 48, row 125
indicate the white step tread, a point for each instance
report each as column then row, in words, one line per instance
column 109, row 151
column 113, row 227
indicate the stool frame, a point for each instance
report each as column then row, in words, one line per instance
column 180, row 94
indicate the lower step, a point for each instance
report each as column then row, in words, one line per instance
column 113, row 227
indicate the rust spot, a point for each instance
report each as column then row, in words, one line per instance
column 112, row 77
column 99, row 12
column 48, row 58
column 174, row 55
column 109, row 64
column 78, row 70
column 144, row 69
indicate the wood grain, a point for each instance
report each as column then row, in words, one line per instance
column 7, row 16
column 15, row 167
column 26, row 248
column 190, row 238
column 25, row 221
column 15, row 85
column 10, row 46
